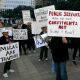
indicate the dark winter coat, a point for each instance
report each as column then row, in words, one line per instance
column 59, row 49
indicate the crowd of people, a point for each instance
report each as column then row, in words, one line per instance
column 58, row 45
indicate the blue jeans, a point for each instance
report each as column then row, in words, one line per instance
column 53, row 69
column 42, row 50
column 60, row 70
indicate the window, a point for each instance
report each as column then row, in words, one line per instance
column 22, row 2
column 18, row 2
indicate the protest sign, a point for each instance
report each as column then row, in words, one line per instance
column 35, row 28
column 41, row 15
column 26, row 16
column 20, row 34
column 38, row 45
column 9, row 52
column 64, row 23
column 1, row 32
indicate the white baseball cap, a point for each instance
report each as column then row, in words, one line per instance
column 4, row 30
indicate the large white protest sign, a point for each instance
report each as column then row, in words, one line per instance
column 64, row 23
column 26, row 16
column 20, row 34
column 35, row 28
column 42, row 15
column 38, row 45
column 1, row 32
column 9, row 52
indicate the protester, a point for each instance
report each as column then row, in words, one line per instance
column 43, row 48
column 30, row 38
column 76, row 46
column 21, row 43
column 23, row 26
column 1, row 24
column 21, row 22
column 6, row 40
column 59, row 49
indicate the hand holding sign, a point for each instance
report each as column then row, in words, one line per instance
column 64, row 40
column 47, row 39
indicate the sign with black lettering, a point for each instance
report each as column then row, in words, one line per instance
column 64, row 23
column 20, row 34
column 41, row 15
column 35, row 28
column 9, row 52
column 26, row 16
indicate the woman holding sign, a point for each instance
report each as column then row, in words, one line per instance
column 6, row 40
column 43, row 48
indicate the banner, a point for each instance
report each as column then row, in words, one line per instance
column 20, row 34
column 9, row 52
column 41, row 15
column 26, row 16
column 35, row 28
column 38, row 45
column 64, row 23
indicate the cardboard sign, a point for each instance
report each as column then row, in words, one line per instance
column 38, row 45
column 26, row 16
column 41, row 15
column 20, row 34
column 64, row 23
column 35, row 28
column 9, row 52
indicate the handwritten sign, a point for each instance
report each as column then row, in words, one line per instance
column 26, row 16
column 20, row 34
column 35, row 28
column 64, row 23
column 9, row 52
column 41, row 15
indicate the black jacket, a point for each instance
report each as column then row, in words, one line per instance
column 30, row 35
column 59, row 49
column 75, row 41
column 3, row 40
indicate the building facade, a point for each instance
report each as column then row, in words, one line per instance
column 11, row 4
column 44, row 3
column 33, row 3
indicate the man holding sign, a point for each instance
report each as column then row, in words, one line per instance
column 60, row 24
column 59, row 50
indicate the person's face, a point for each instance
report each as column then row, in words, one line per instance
column 45, row 28
column 1, row 26
column 29, row 23
column 21, row 22
column 5, row 34
column 19, row 27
